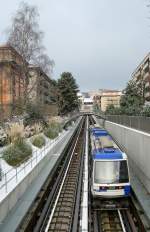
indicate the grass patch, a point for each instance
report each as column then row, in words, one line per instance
column 17, row 153
column 38, row 141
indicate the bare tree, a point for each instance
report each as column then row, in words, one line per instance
column 25, row 36
column 45, row 63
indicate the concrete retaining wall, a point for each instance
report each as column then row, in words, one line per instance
column 13, row 197
column 8, row 203
column 137, row 146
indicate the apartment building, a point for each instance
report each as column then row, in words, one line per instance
column 42, row 90
column 141, row 76
column 110, row 97
column 12, row 87
column 105, row 97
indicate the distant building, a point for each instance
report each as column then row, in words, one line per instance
column 93, row 93
column 142, row 74
column 80, row 97
column 87, row 105
column 110, row 97
column 12, row 87
column 105, row 97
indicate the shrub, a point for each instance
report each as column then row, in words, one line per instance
column 15, row 132
column 34, row 115
column 38, row 141
column 17, row 153
column 55, row 126
column 3, row 137
column 53, row 129
column 51, row 133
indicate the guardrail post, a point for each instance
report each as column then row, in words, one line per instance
column 36, row 156
column 16, row 175
column 139, row 123
column 31, row 162
column 5, row 182
column 130, row 121
column 24, row 168
column 44, row 150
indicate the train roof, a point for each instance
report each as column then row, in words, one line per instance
column 98, row 131
column 109, row 154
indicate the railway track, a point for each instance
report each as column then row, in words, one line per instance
column 116, row 220
column 57, row 205
column 110, row 221
column 62, row 214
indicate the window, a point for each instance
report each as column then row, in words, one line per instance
column 110, row 172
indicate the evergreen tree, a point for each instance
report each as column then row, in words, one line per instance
column 67, row 93
column 132, row 101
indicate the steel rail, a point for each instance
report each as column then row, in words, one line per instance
column 75, row 176
column 53, row 210
column 121, row 221
column 76, row 218
column 84, row 207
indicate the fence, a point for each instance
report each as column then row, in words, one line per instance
column 137, row 122
column 13, row 176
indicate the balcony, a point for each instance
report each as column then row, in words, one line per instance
column 146, row 65
column 146, row 75
column 147, row 84
column 147, row 95
column 137, row 75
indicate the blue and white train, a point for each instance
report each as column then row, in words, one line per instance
column 110, row 172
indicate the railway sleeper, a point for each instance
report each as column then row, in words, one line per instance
column 65, row 203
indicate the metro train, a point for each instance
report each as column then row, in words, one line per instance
column 110, row 172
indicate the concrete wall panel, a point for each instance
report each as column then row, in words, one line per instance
column 137, row 146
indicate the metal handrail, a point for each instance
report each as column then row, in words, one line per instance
column 32, row 162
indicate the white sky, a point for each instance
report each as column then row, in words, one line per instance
column 100, row 41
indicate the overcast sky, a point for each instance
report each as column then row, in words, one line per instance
column 100, row 41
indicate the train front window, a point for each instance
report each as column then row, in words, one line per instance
column 111, row 172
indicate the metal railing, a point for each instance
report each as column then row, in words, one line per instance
column 136, row 122
column 13, row 176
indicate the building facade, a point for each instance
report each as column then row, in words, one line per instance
column 11, row 80
column 106, row 97
column 12, row 85
column 42, row 91
column 142, row 77
column 110, row 98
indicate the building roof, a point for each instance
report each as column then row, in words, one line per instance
column 8, row 47
column 109, row 90
column 88, row 100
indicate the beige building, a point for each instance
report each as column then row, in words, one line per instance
column 142, row 76
column 104, row 97
column 110, row 97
